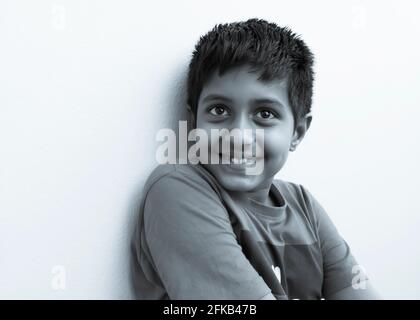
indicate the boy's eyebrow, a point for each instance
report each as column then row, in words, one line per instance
column 216, row 97
column 253, row 101
column 268, row 101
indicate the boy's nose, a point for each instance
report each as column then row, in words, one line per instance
column 243, row 129
column 239, row 121
column 241, row 135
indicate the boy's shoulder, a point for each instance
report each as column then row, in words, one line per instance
column 293, row 192
column 299, row 197
column 286, row 186
column 180, row 174
column 199, row 174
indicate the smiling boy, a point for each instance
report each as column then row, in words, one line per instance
column 211, row 231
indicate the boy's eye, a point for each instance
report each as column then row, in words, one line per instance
column 265, row 114
column 218, row 111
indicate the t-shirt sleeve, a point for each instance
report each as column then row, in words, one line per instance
column 192, row 243
column 339, row 265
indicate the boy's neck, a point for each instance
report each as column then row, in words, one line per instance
column 262, row 195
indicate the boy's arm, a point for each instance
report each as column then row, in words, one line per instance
column 365, row 292
column 344, row 278
column 192, row 243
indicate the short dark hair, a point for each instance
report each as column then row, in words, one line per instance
column 275, row 51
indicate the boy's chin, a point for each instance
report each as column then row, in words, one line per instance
column 237, row 182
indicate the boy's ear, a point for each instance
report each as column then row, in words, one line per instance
column 302, row 126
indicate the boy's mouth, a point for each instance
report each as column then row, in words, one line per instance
column 237, row 160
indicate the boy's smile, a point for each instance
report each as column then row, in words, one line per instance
column 239, row 100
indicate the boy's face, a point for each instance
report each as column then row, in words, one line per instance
column 243, row 102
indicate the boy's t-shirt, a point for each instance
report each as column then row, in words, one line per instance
column 194, row 240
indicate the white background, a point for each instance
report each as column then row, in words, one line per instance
column 85, row 85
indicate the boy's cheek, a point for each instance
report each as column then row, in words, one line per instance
column 274, row 164
column 276, row 152
column 276, row 146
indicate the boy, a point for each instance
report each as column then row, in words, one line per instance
column 210, row 231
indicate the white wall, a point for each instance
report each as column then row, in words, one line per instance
column 85, row 85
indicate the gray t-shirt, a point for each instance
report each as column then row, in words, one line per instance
column 194, row 240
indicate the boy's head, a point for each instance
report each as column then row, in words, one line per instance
column 252, row 75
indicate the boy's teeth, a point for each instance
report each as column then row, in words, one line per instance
column 242, row 161
column 238, row 161
column 250, row 161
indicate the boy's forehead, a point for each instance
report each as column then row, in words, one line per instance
column 241, row 81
